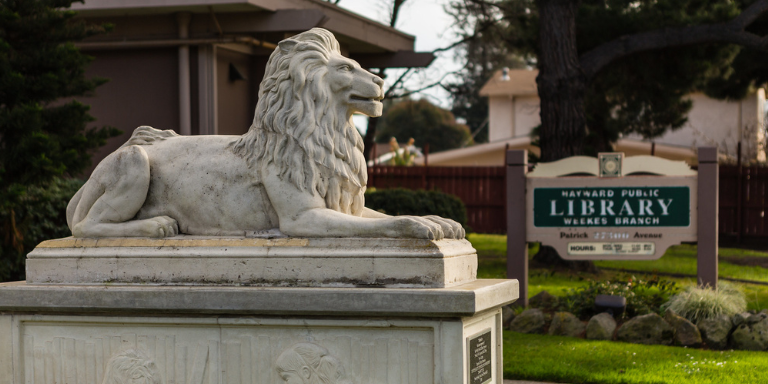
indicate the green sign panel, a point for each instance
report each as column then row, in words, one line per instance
column 612, row 207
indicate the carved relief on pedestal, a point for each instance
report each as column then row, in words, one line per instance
column 158, row 354
column 309, row 363
column 131, row 367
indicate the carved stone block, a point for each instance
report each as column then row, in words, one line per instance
column 294, row 262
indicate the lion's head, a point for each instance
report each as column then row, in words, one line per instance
column 303, row 120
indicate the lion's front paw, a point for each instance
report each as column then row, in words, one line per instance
column 160, row 226
column 451, row 228
column 417, row 227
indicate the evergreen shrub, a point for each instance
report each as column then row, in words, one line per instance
column 401, row 201
column 40, row 216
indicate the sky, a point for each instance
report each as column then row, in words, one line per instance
column 432, row 27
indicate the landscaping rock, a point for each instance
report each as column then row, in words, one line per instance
column 739, row 318
column 756, row 318
column 566, row 324
column 601, row 327
column 543, row 300
column 647, row 329
column 715, row 331
column 686, row 334
column 529, row 321
column 507, row 315
column 751, row 336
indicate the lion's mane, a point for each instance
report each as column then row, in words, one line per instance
column 296, row 128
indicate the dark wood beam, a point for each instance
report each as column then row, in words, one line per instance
column 164, row 27
column 133, row 44
column 399, row 59
column 285, row 20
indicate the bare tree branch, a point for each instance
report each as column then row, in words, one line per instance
column 415, row 91
column 749, row 15
column 732, row 32
column 483, row 4
column 391, row 90
column 486, row 4
column 460, row 42
column 396, row 6
column 424, row 88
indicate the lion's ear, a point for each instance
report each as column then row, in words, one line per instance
column 287, row 44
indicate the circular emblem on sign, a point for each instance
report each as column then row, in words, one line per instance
column 610, row 164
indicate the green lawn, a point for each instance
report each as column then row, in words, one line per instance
column 571, row 360
column 681, row 259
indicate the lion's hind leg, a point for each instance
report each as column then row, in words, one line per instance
column 113, row 195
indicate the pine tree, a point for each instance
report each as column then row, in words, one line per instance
column 43, row 130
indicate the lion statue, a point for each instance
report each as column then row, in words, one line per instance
column 298, row 171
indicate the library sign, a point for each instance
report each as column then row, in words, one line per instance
column 611, row 217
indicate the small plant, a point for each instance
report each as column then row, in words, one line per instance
column 696, row 303
column 643, row 296
column 401, row 157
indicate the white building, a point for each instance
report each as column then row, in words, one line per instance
column 514, row 112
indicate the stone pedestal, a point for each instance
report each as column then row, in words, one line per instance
column 98, row 333
column 207, row 260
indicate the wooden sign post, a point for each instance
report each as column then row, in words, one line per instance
column 517, row 247
column 611, row 208
column 709, row 189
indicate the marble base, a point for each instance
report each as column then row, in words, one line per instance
column 222, row 335
column 290, row 262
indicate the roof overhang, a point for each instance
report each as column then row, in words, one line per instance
column 356, row 33
column 522, row 142
column 521, row 82
column 98, row 8
column 399, row 59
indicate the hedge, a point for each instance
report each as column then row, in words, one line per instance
column 400, row 201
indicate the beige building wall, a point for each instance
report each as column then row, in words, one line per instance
column 491, row 158
column 125, row 103
column 487, row 154
column 143, row 90
column 235, row 98
column 526, row 115
column 501, row 118
column 723, row 123
column 510, row 116
column 514, row 108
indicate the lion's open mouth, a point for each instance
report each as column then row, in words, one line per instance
column 361, row 98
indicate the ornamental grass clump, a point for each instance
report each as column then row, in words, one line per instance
column 696, row 303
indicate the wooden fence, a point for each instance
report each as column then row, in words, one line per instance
column 482, row 189
column 743, row 195
column 743, row 203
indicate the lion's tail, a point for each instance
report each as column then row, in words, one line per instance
column 146, row 135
